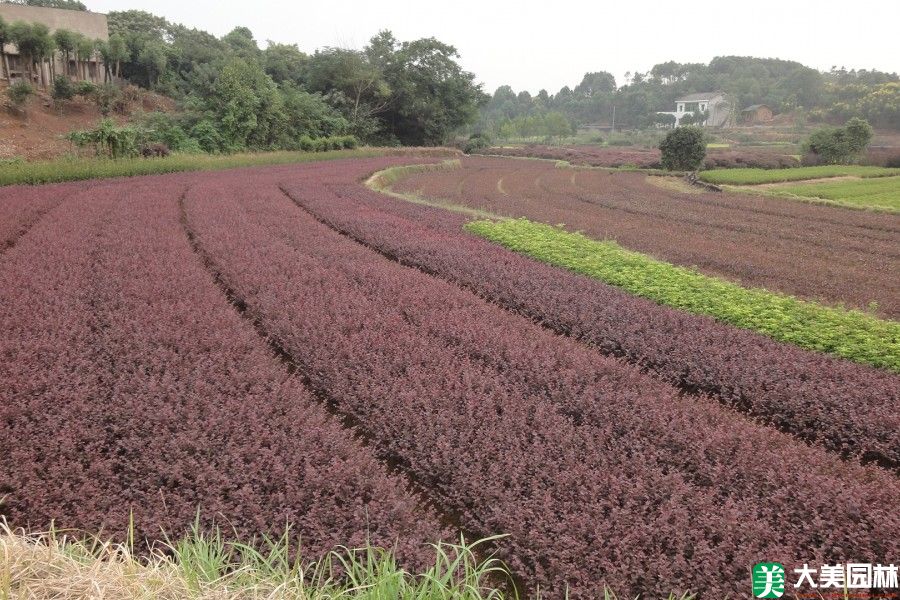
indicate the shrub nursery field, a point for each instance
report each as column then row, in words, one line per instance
column 283, row 345
column 828, row 255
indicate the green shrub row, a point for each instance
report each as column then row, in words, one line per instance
column 76, row 169
column 850, row 334
column 882, row 193
column 757, row 176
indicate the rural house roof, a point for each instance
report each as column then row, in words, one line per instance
column 698, row 97
column 753, row 107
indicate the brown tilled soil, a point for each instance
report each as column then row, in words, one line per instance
column 824, row 253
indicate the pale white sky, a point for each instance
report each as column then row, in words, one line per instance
column 533, row 45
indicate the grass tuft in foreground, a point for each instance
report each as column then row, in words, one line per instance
column 203, row 566
column 207, row 566
column 758, row 176
column 850, row 334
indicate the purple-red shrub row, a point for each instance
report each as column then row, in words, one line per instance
column 648, row 158
column 882, row 157
column 723, row 158
column 843, row 406
column 129, row 383
column 599, row 473
column 592, row 156
column 22, row 206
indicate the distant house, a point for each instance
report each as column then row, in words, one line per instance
column 89, row 24
column 757, row 113
column 714, row 102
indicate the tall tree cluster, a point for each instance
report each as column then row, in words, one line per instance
column 389, row 92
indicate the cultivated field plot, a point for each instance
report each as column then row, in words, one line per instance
column 760, row 176
column 282, row 344
column 880, row 193
column 648, row 158
column 821, row 253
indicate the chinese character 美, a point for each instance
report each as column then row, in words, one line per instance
column 805, row 573
column 831, row 576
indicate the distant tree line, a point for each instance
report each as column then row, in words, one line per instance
column 783, row 85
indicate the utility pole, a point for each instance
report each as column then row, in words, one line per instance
column 613, row 130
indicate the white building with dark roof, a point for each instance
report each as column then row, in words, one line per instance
column 714, row 102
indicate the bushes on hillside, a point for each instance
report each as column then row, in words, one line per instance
column 838, row 145
column 158, row 134
column 477, row 142
column 683, row 149
column 19, row 93
column 108, row 139
column 62, row 88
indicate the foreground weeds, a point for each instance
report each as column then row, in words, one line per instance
column 205, row 566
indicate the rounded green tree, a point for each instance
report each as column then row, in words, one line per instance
column 683, row 149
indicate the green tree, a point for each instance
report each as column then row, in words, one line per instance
column 683, row 149
column 362, row 90
column 309, row 115
column 84, row 51
column 33, row 42
column 837, row 145
column 118, row 52
column 858, row 133
column 247, row 107
column 4, row 39
column 431, row 95
column 596, row 83
column 285, row 63
column 19, row 93
column 62, row 88
column 152, row 60
column 66, row 43
column 240, row 41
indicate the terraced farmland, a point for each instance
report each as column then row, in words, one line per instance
column 284, row 345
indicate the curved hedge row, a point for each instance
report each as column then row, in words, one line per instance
column 850, row 334
column 848, row 408
column 136, row 387
column 600, row 474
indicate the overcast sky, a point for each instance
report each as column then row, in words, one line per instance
column 533, row 45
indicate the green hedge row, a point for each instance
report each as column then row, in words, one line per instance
column 757, row 176
column 70, row 169
column 850, row 334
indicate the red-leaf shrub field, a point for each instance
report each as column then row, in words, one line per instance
column 647, row 158
column 477, row 404
column 130, row 384
column 22, row 206
column 815, row 252
column 129, row 381
column 585, row 155
column 846, row 407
